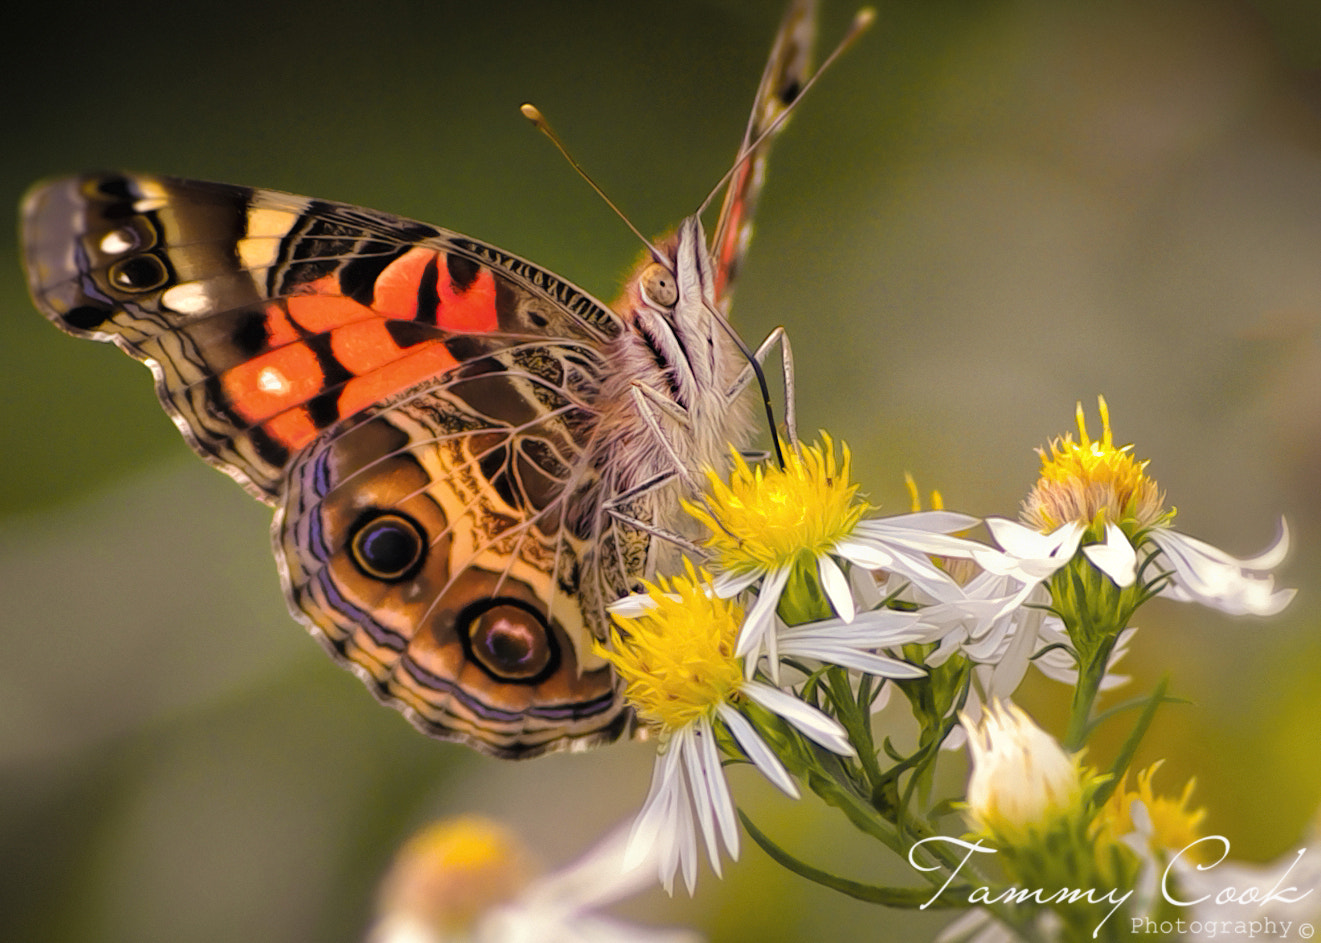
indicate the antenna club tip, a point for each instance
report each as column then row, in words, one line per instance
column 532, row 113
column 863, row 18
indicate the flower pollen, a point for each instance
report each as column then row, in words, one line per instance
column 768, row 517
column 449, row 874
column 677, row 657
column 1081, row 480
column 1174, row 825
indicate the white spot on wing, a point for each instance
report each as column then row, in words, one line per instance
column 118, row 242
column 271, row 380
column 188, row 298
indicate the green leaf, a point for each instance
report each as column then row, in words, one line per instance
column 906, row 897
column 1130, row 747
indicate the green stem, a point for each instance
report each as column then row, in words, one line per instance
column 1090, row 675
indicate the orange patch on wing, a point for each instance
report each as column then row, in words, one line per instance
column 365, row 346
column 321, row 312
column 272, row 382
column 395, row 292
column 421, row 363
column 292, row 428
column 279, row 329
column 469, row 311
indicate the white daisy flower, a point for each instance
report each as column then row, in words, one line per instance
column 795, row 532
column 469, row 880
column 1090, row 481
column 676, row 657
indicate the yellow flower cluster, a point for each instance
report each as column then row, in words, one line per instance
column 1082, row 479
column 677, row 658
column 769, row 517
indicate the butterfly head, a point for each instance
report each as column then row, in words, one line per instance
column 669, row 304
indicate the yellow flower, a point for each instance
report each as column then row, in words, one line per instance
column 1081, row 480
column 676, row 657
column 767, row 517
column 1174, row 825
column 674, row 649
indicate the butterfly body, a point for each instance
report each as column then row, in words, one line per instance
column 468, row 456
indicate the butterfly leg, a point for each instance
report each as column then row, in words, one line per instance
column 777, row 336
column 651, row 405
column 615, row 509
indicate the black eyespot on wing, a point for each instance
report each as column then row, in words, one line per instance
column 388, row 546
column 139, row 273
column 509, row 640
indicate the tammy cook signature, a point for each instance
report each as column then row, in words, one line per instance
column 1229, row 895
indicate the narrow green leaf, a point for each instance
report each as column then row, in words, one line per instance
column 1130, row 747
column 905, row 897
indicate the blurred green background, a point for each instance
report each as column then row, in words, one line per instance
column 990, row 211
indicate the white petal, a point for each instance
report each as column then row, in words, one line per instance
column 814, row 725
column 682, row 817
column 865, row 554
column 922, row 532
column 772, row 652
column 1208, row 575
column 1028, row 555
column 725, row 585
column 934, row 522
column 852, row 646
column 722, row 805
column 759, row 617
column 757, row 751
column 836, row 586
column 699, row 748
column 858, row 660
column 1116, row 557
column 654, row 836
column 632, row 606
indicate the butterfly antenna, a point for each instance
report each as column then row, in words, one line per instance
column 532, row 113
column 862, row 20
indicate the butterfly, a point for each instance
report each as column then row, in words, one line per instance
column 468, row 457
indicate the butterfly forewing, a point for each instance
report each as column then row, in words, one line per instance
column 267, row 318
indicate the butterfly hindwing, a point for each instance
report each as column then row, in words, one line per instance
column 434, row 550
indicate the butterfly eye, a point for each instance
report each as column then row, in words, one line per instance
column 388, row 547
column 658, row 285
column 511, row 642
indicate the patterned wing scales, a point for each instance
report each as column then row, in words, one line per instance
column 413, row 402
column 267, row 318
column 437, row 548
